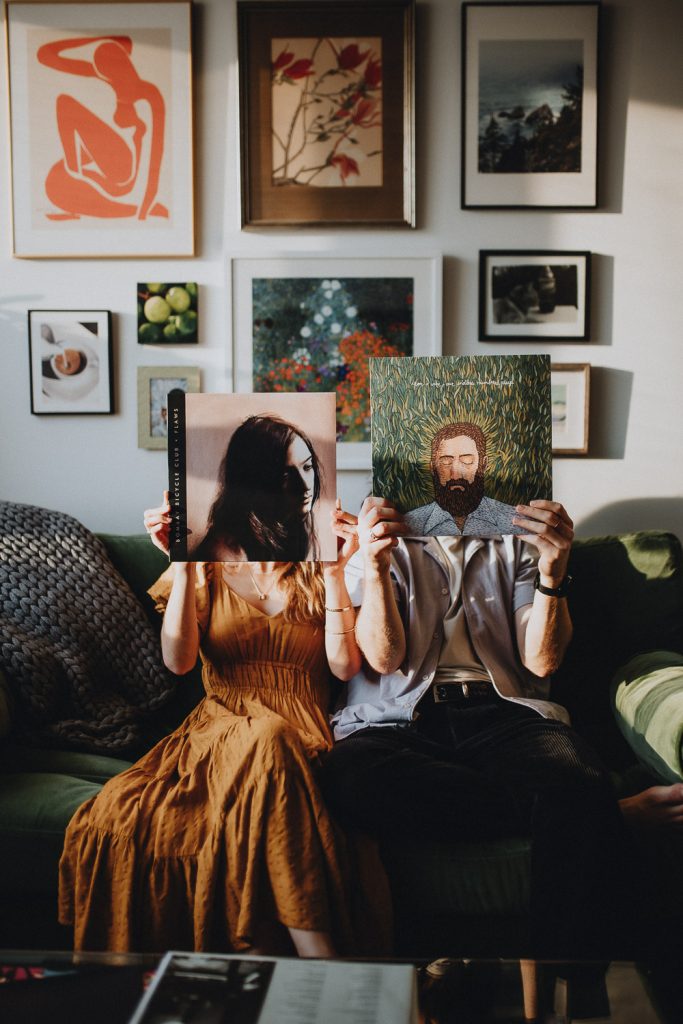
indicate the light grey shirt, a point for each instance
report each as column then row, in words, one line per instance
column 497, row 579
column 490, row 518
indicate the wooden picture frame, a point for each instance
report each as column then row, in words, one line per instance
column 529, row 105
column 154, row 383
column 311, row 323
column 70, row 362
column 534, row 295
column 327, row 112
column 570, row 400
column 100, row 110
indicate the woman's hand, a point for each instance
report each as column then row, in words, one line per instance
column 158, row 525
column 380, row 525
column 345, row 528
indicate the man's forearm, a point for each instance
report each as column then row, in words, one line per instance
column 379, row 629
column 547, row 635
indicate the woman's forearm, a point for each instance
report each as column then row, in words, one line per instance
column 379, row 628
column 343, row 653
column 179, row 631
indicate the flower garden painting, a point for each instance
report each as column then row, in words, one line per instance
column 317, row 334
column 327, row 112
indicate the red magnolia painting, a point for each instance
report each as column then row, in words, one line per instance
column 327, row 111
column 101, row 107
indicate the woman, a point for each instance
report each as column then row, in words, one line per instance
column 218, row 837
column 269, row 483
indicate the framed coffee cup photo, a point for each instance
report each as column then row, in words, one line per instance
column 70, row 362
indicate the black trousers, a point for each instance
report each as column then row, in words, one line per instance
column 497, row 770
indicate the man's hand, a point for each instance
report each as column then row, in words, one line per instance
column 551, row 531
column 158, row 524
column 380, row 525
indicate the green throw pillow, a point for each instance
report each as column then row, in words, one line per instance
column 647, row 697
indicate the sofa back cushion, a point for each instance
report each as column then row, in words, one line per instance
column 627, row 598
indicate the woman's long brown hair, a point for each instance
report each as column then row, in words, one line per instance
column 304, row 587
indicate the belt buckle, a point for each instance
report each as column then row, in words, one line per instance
column 440, row 693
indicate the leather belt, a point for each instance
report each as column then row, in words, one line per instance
column 475, row 691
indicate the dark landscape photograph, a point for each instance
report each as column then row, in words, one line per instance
column 530, row 98
column 531, row 294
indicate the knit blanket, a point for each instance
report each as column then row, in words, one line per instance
column 76, row 647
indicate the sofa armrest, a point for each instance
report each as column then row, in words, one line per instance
column 647, row 699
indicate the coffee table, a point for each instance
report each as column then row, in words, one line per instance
column 58, row 987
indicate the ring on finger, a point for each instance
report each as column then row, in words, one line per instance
column 373, row 535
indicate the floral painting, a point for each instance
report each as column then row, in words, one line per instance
column 317, row 334
column 327, row 112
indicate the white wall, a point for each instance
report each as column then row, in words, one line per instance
column 91, row 466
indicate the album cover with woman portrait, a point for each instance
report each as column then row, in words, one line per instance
column 251, row 477
column 459, row 441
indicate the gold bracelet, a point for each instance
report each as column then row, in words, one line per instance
column 340, row 632
column 346, row 608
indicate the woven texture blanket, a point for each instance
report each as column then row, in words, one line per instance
column 78, row 651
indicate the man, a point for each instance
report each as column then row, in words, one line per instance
column 447, row 730
column 461, row 508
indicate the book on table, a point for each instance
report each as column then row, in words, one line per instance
column 213, row 988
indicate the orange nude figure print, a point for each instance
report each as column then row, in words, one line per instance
column 107, row 169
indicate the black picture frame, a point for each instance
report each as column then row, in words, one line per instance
column 531, row 295
column 545, row 157
column 71, row 362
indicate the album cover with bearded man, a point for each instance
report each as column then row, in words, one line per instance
column 459, row 441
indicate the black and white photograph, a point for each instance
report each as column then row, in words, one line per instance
column 252, row 477
column 529, row 105
column 70, row 359
column 525, row 295
column 154, row 384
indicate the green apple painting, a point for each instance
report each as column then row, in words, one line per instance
column 167, row 313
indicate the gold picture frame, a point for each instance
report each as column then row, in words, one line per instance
column 152, row 424
column 570, row 401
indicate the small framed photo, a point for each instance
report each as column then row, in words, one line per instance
column 529, row 105
column 70, row 361
column 529, row 295
column 313, row 323
column 167, row 313
column 570, row 400
column 154, row 384
column 327, row 112
column 101, row 129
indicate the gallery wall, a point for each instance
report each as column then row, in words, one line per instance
column 91, row 467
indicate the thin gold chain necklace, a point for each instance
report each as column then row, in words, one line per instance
column 262, row 595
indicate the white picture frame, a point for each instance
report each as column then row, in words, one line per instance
column 570, row 403
column 100, row 103
column 255, row 279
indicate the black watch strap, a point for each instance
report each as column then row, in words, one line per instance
column 560, row 591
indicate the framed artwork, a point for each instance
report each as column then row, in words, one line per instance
column 101, row 129
column 167, row 313
column 528, row 294
column 313, row 323
column 570, row 399
column 327, row 112
column 154, row 384
column 70, row 361
column 529, row 105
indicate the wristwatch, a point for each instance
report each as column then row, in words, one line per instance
column 560, row 591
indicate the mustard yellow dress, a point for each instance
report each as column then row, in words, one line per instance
column 221, row 827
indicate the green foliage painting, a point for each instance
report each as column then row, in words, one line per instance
column 317, row 334
column 508, row 397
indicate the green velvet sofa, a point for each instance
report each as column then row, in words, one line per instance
column 627, row 603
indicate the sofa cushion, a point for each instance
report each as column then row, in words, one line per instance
column 5, row 707
column 626, row 599
column 35, row 809
column 89, row 767
column 461, row 878
column 140, row 564
column 647, row 695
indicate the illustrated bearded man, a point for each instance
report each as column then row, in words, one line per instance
column 458, row 462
